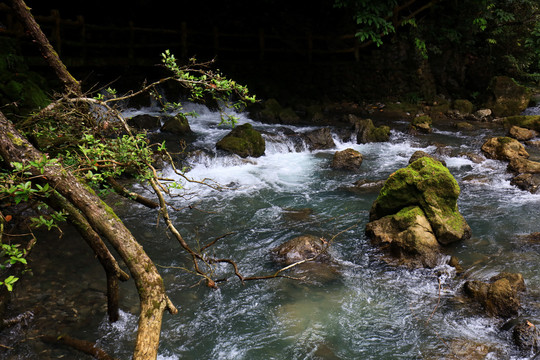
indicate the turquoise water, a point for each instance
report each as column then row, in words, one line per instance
column 359, row 308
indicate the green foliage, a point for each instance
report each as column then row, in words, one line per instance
column 372, row 18
column 203, row 83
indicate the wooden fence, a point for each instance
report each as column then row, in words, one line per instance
column 82, row 44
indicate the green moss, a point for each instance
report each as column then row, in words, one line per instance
column 531, row 122
column 424, row 119
column 379, row 134
column 463, row 106
column 243, row 141
column 428, row 184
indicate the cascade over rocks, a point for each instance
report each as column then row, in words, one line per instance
column 416, row 210
column 367, row 132
column 244, row 141
column 348, row 159
column 319, row 139
column 499, row 296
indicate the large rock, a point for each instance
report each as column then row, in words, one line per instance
column 522, row 134
column 348, row 159
column 527, row 182
column 244, row 141
column 178, row 125
column 145, row 121
column 367, row 132
column 420, row 154
column 504, row 148
column 319, row 139
column 408, row 237
column 509, row 98
column 420, row 124
column 300, row 248
column 531, row 122
column 521, row 166
column 428, row 184
column 499, row 296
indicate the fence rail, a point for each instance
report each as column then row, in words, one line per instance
column 82, row 44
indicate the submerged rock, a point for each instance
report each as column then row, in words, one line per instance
column 428, row 184
column 348, row 159
column 504, row 148
column 525, row 335
column 300, row 248
column 527, row 182
column 244, row 141
column 499, row 296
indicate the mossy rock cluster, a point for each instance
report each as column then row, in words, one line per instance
column 531, row 122
column 421, row 124
column 273, row 112
column 17, row 83
column 244, row 141
column 464, row 107
column 428, row 184
column 367, row 132
column 509, row 98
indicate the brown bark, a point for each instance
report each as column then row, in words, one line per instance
column 23, row 12
column 81, row 345
column 107, row 260
column 13, row 147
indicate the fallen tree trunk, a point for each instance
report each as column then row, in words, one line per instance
column 153, row 300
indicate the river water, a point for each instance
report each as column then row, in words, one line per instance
column 361, row 309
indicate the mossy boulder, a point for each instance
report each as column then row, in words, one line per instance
column 421, row 124
column 244, row 141
column 464, row 107
column 531, row 122
column 420, row 154
column 430, row 185
column 178, row 125
column 17, row 83
column 367, row 132
column 504, row 148
column 408, row 236
column 508, row 97
column 273, row 112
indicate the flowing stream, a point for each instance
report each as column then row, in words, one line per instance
column 364, row 310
